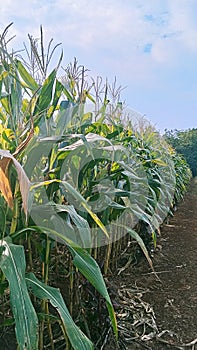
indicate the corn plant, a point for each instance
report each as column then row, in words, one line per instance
column 27, row 107
column 72, row 180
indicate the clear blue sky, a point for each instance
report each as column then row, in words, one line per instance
column 149, row 45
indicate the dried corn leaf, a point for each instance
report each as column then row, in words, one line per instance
column 24, row 182
column 5, row 188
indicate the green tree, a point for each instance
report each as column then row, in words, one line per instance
column 185, row 143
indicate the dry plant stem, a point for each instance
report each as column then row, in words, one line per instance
column 114, row 249
column 182, row 346
column 85, row 323
column 107, row 257
column 56, row 258
column 49, row 326
column 76, row 288
column 68, row 345
column 118, row 244
column 106, row 339
column 178, row 346
column 41, row 331
column 44, row 304
column 29, row 252
column 71, row 286
column 15, row 210
column 46, row 263
column 48, row 245
column 95, row 253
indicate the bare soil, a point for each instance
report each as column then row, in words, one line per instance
column 166, row 301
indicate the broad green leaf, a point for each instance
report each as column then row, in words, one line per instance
column 84, row 262
column 140, row 213
column 83, row 202
column 57, row 94
column 89, row 139
column 12, row 263
column 63, row 237
column 90, row 269
column 72, row 227
column 45, row 94
column 77, row 338
column 78, row 197
column 68, row 95
column 80, row 223
column 28, row 79
column 63, row 119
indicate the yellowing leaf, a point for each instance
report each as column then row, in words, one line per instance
column 159, row 162
column 6, row 104
column 24, row 182
column 5, row 187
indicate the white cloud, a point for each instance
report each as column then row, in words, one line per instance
column 109, row 27
column 183, row 20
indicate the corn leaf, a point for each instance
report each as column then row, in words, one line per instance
column 5, row 101
column 63, row 218
column 5, row 188
column 159, row 162
column 45, row 94
column 83, row 202
column 78, row 197
column 27, row 78
column 24, row 182
column 12, row 263
column 77, row 338
column 80, row 223
column 57, row 94
column 91, row 271
column 139, row 240
column 68, row 95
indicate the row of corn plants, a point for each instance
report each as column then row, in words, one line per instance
column 78, row 180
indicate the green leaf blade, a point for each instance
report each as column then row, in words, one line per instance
column 27, row 78
column 77, row 338
column 45, row 94
column 13, row 265
column 91, row 271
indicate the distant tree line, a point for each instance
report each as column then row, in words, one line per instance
column 185, row 143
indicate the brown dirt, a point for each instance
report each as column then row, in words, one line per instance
column 171, row 302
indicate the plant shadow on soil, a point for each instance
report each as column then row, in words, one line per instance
column 168, row 316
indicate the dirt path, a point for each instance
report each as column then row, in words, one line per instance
column 175, row 301
column 174, row 297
